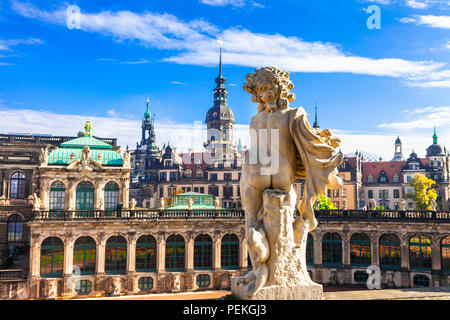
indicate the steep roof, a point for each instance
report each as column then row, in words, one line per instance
column 374, row 169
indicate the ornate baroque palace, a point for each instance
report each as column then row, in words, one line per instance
column 80, row 219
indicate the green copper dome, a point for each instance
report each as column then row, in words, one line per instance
column 61, row 156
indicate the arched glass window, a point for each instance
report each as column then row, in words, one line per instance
column 146, row 254
column 332, row 249
column 310, row 250
column 15, row 228
column 445, row 254
column 84, row 255
column 57, row 196
column 17, row 186
column 360, row 254
column 52, row 257
column 230, row 252
column 420, row 252
column 111, row 196
column 175, row 253
column 116, row 255
column 203, row 252
column 390, row 253
column 85, row 198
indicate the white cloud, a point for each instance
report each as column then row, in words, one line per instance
column 141, row 61
column 178, row 83
column 192, row 135
column 195, row 42
column 7, row 45
column 417, row 4
column 441, row 22
column 222, row 3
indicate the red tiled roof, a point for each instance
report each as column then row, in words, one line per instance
column 390, row 167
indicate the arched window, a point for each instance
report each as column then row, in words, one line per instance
column 332, row 249
column 57, row 196
column 146, row 254
column 175, row 253
column 84, row 255
column 360, row 254
column 116, row 255
column 15, row 228
column 52, row 257
column 17, row 186
column 445, row 254
column 85, row 198
column 111, row 196
column 421, row 281
column 370, row 179
column 310, row 250
column 390, row 253
column 420, row 252
column 203, row 252
column 230, row 252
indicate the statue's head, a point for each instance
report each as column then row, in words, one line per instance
column 270, row 88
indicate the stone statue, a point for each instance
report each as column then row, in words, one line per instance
column 277, row 240
column 403, row 205
column 433, row 205
column 216, row 203
column 51, row 291
column 133, row 204
column 44, row 157
column 344, row 204
column 86, row 154
column 162, row 203
column 373, row 204
column 190, row 203
column 36, row 202
column 116, row 287
column 126, row 159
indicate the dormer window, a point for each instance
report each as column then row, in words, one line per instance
column 395, row 178
column 370, row 178
column 168, row 163
column 382, row 179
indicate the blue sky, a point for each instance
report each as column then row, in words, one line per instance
column 369, row 84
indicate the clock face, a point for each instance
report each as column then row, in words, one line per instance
column 215, row 114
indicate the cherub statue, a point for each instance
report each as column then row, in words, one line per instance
column 44, row 157
column 126, row 159
column 190, row 203
column 303, row 152
column 162, row 203
column 36, row 202
column 133, row 204
column 403, row 205
column 85, row 154
column 344, row 204
column 373, row 204
column 116, row 287
column 216, row 203
column 51, row 291
column 433, row 205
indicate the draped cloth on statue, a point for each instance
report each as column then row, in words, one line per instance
column 317, row 160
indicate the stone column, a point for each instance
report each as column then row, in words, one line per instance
column 404, row 249
column 317, row 236
column 71, row 195
column 131, row 253
column 45, row 194
column 99, row 194
column 101, row 247
column 125, row 192
column 374, row 248
column 35, row 256
column 4, row 190
column 216, row 251
column 189, row 258
column 243, row 253
column 436, row 252
column 345, row 248
column 161, row 253
column 68, row 255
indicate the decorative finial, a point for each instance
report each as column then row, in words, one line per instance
column 435, row 137
column 316, row 122
column 87, row 128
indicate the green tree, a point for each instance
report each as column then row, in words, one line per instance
column 423, row 191
column 325, row 203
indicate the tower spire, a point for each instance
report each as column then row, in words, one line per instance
column 316, row 122
column 435, row 137
column 220, row 58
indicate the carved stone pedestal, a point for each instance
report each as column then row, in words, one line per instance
column 283, row 274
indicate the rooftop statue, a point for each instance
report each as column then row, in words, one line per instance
column 283, row 147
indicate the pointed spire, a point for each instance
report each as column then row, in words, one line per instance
column 435, row 137
column 316, row 122
column 220, row 58
column 147, row 113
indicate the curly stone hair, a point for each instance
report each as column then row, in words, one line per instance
column 270, row 85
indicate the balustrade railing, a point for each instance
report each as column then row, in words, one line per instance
column 158, row 214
